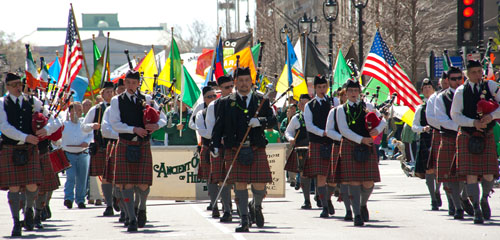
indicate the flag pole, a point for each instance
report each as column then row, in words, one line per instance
column 81, row 46
column 180, row 108
column 215, row 54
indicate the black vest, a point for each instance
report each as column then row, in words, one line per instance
column 336, row 126
column 423, row 123
column 131, row 113
column 448, row 100
column 302, row 139
column 470, row 101
column 18, row 118
column 319, row 115
column 99, row 113
column 204, row 141
column 356, row 125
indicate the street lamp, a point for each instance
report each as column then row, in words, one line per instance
column 305, row 24
column 360, row 4
column 284, row 32
column 330, row 12
column 247, row 22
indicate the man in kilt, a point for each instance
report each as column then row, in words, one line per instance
column 295, row 163
column 318, row 162
column 476, row 148
column 93, row 121
column 206, row 134
column 234, row 117
column 359, row 171
column 19, row 161
column 133, row 150
column 217, row 166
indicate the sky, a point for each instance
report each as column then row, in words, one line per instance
column 22, row 17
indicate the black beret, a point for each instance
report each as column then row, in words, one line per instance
column 133, row 75
column 305, row 96
column 426, row 82
column 212, row 84
column 224, row 79
column 119, row 83
column 319, row 80
column 108, row 85
column 242, row 71
column 473, row 63
column 453, row 70
column 352, row 84
column 444, row 75
column 12, row 77
column 207, row 89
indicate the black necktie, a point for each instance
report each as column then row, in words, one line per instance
column 132, row 98
column 18, row 103
column 476, row 89
column 322, row 101
column 245, row 100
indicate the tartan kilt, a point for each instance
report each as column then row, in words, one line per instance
column 291, row 163
column 446, row 155
column 258, row 172
column 133, row 173
column 436, row 142
column 316, row 165
column 109, row 170
column 217, row 168
column 476, row 164
column 349, row 170
column 11, row 175
column 50, row 180
column 98, row 162
column 334, row 166
column 204, row 167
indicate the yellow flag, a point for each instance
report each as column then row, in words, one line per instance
column 148, row 66
column 246, row 60
column 299, row 83
column 163, row 78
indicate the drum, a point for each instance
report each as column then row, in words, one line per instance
column 59, row 160
column 301, row 156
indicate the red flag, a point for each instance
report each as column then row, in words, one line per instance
column 204, row 61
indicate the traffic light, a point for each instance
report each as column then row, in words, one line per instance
column 470, row 22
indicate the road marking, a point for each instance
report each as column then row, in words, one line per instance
column 217, row 224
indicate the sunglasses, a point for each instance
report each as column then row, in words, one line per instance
column 211, row 96
column 228, row 87
column 456, row 78
column 15, row 84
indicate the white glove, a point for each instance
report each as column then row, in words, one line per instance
column 215, row 153
column 254, row 122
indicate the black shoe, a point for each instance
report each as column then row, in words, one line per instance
column 209, row 207
column 348, row 216
column 38, row 221
column 292, row 184
column 485, row 208
column 438, row 199
column 244, row 225
column 324, row 213
column 297, row 187
column 306, row 205
column 259, row 217
column 28, row 219
column 17, row 229
column 122, row 217
column 459, row 214
column 358, row 221
column 251, row 213
column 141, row 218
column 126, row 223
column 467, row 206
column 68, row 204
column 108, row 212
column 331, row 209
column 451, row 211
column 215, row 212
column 478, row 215
column 81, row 205
column 318, row 202
column 115, row 204
column 132, row 227
column 434, row 206
column 365, row 214
column 226, row 218
column 49, row 213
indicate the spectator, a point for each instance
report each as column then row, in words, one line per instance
column 175, row 126
column 86, row 104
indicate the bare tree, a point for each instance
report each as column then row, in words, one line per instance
column 14, row 51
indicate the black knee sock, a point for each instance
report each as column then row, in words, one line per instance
column 323, row 195
column 213, row 189
column 487, row 186
column 143, row 196
column 137, row 197
column 473, row 191
column 40, row 201
column 331, row 191
column 464, row 195
column 128, row 199
column 365, row 195
column 14, row 203
column 430, row 180
column 438, row 185
column 225, row 196
column 107, row 191
column 306, row 188
column 355, row 192
column 242, row 196
column 258, row 196
column 455, row 194
column 48, row 196
column 30, row 198
column 344, row 191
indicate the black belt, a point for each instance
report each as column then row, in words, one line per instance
column 79, row 153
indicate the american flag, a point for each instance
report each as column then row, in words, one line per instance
column 381, row 65
column 73, row 57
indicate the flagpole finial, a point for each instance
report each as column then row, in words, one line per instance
column 352, row 41
column 377, row 24
column 108, row 34
column 57, row 53
column 93, row 37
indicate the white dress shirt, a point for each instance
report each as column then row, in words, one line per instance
column 89, row 118
column 458, row 105
column 200, row 126
column 73, row 134
column 292, row 128
column 440, row 113
column 416, row 127
column 429, row 111
column 106, row 129
column 344, row 128
column 308, row 118
column 330, row 126
column 115, row 119
column 210, row 116
column 198, row 108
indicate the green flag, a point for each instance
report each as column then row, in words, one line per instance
column 371, row 88
column 172, row 69
column 97, row 53
column 95, row 80
column 255, row 53
column 190, row 91
column 342, row 71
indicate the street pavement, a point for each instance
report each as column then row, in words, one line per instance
column 399, row 209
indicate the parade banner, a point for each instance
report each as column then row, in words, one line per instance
column 175, row 170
